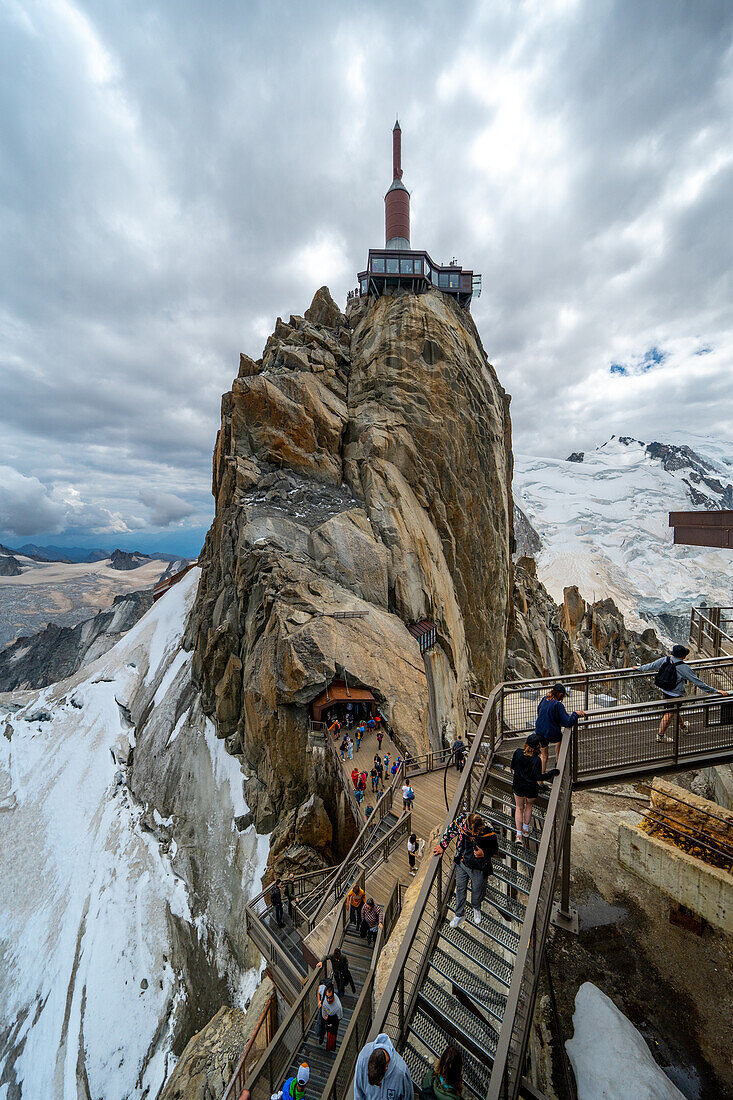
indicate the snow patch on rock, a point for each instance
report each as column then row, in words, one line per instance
column 93, row 891
column 610, row 1058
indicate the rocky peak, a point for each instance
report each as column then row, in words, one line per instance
column 362, row 465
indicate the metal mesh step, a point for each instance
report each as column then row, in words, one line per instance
column 538, row 810
column 477, row 988
column 476, row 1072
column 504, row 819
column 459, row 1023
column 501, row 901
column 512, row 877
column 501, row 933
column 520, row 852
column 461, row 940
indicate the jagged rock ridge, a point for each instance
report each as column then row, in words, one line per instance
column 363, row 464
column 58, row 651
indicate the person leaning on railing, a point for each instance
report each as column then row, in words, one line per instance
column 551, row 717
column 672, row 678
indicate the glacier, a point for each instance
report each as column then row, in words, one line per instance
column 121, row 869
column 603, row 523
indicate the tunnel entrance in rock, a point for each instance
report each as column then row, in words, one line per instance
column 344, row 702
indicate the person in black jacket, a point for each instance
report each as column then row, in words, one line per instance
column 527, row 768
column 276, row 901
column 341, row 973
column 477, row 843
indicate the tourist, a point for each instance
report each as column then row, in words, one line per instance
column 527, row 768
column 290, row 895
column 341, row 973
column 350, row 750
column 380, row 735
column 408, row 796
column 382, row 1073
column 477, row 843
column 276, row 901
column 458, row 754
column 414, row 850
column 445, row 1082
column 551, row 717
column 359, row 794
column 368, row 812
column 330, row 1013
column 396, row 766
column 355, row 777
column 335, row 728
column 294, row 1087
column 672, row 678
column 386, row 763
column 363, row 780
column 344, row 746
column 371, row 724
column 371, row 920
column 374, row 776
column 354, row 902
column 360, row 731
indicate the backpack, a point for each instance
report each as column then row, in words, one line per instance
column 666, row 678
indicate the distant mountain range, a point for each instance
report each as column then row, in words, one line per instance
column 80, row 553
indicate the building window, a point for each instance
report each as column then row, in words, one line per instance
column 363, row 286
column 418, row 267
column 454, row 280
column 393, row 265
column 444, row 279
column 405, row 266
column 378, row 264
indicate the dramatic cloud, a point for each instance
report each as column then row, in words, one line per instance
column 174, row 177
column 165, row 508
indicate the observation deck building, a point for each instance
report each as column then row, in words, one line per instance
column 398, row 266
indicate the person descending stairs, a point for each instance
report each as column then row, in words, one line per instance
column 463, row 996
column 319, row 1060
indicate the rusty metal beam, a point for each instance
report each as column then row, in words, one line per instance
column 703, row 528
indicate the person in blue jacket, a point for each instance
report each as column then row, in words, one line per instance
column 551, row 717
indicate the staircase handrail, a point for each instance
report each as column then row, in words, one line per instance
column 706, row 626
column 411, row 962
column 288, row 1038
column 514, row 1030
column 342, row 1073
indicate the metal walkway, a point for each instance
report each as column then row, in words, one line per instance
column 475, row 985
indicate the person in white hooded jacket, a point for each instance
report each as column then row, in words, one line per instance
column 382, row 1073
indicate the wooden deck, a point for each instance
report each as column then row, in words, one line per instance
column 428, row 812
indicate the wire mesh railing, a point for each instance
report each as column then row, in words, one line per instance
column 711, row 630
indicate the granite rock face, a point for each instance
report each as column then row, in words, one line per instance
column 363, row 465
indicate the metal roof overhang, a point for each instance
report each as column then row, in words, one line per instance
column 703, row 528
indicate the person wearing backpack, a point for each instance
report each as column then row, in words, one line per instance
column 672, row 677
column 551, row 718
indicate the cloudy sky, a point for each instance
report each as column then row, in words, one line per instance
column 175, row 175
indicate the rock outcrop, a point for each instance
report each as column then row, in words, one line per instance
column 552, row 640
column 363, row 465
column 59, row 651
column 9, row 564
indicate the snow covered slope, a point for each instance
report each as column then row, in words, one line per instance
column 603, row 522
column 105, row 915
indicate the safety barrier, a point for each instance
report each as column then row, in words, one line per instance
column 711, row 630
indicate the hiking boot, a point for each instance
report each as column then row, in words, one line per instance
column 455, row 922
column 477, row 916
column 661, row 737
